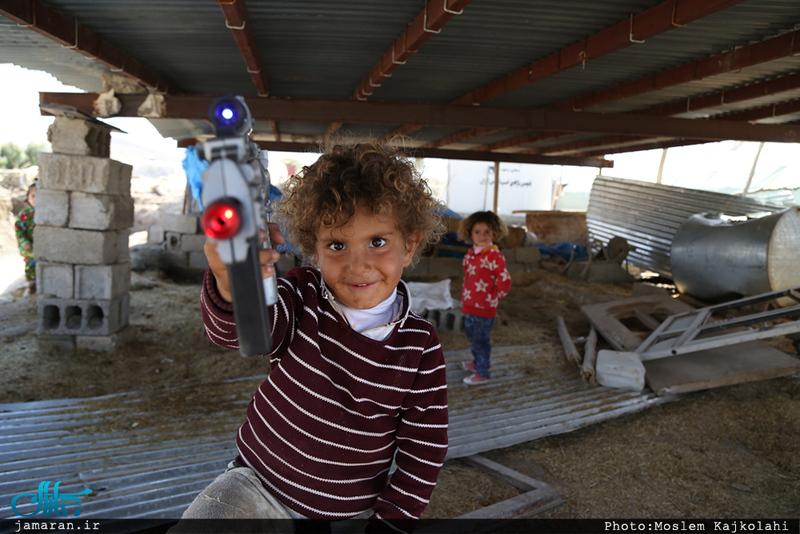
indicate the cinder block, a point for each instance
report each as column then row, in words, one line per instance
column 123, row 245
column 175, row 258
column 56, row 279
column 198, row 260
column 84, row 173
column 79, row 137
column 182, row 224
column 58, row 344
column 528, row 255
column 193, row 242
column 155, row 234
column 515, row 267
column 93, row 211
column 510, row 254
column 82, row 317
column 102, row 281
column 105, row 343
column 66, row 245
column 52, row 208
column 172, row 241
column 448, row 267
column 450, row 320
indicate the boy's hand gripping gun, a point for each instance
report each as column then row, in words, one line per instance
column 235, row 198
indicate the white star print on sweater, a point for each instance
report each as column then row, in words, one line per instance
column 486, row 281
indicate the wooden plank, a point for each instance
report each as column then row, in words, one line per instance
column 607, row 318
column 537, row 498
column 503, row 473
column 570, row 350
column 722, row 366
column 525, row 505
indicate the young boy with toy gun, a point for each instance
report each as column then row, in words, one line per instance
column 235, row 198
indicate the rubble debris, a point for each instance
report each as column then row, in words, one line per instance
column 573, row 356
column 722, row 325
column 718, row 367
column 588, row 371
column 626, row 323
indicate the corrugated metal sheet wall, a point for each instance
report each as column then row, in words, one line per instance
column 648, row 216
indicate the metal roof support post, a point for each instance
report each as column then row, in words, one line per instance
column 496, row 183
column 661, row 165
column 752, row 170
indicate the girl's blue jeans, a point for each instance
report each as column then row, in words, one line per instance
column 477, row 330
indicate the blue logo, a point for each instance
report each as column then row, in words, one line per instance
column 50, row 503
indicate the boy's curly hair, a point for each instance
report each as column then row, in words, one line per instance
column 328, row 192
column 490, row 218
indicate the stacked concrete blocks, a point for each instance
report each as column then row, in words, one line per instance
column 84, row 212
column 518, row 259
column 449, row 320
column 181, row 238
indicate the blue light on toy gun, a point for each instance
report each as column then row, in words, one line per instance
column 230, row 117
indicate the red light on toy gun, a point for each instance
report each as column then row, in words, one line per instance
column 222, row 219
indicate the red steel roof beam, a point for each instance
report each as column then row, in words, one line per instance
column 579, row 149
column 430, row 21
column 739, row 94
column 238, row 21
column 654, row 21
column 650, row 23
column 48, row 22
column 784, row 45
column 748, row 56
column 653, row 145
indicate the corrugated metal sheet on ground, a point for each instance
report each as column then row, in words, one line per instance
column 648, row 215
column 148, row 454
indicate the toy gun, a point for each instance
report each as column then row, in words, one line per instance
column 235, row 198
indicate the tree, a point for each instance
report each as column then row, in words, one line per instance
column 11, row 156
column 32, row 153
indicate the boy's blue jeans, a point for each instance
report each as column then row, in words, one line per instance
column 477, row 330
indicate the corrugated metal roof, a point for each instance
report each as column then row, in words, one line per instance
column 148, row 454
column 324, row 49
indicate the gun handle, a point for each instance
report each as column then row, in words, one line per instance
column 249, row 305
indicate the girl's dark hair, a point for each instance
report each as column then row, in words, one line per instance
column 328, row 192
column 490, row 218
column 31, row 188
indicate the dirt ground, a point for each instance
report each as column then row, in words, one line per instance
column 728, row 452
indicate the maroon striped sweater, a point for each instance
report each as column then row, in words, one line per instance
column 323, row 428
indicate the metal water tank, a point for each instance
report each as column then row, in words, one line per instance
column 713, row 258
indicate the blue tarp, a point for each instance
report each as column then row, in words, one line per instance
column 566, row 250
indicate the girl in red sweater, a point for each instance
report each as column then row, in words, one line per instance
column 486, row 283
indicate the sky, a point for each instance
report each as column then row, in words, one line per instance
column 723, row 166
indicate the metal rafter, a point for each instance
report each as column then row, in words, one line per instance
column 48, row 22
column 428, row 22
column 238, row 21
column 633, row 143
column 721, row 98
column 785, row 45
column 654, row 21
column 331, row 110
column 443, row 154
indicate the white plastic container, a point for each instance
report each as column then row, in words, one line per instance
column 622, row 370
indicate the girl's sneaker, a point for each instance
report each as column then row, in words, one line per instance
column 475, row 379
column 468, row 366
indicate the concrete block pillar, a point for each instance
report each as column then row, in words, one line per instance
column 84, row 212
